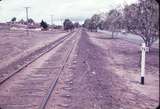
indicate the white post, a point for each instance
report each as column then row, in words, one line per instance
column 143, row 49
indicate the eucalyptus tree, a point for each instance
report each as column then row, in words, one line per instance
column 86, row 23
column 142, row 19
column 113, row 21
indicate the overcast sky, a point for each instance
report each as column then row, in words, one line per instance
column 77, row 10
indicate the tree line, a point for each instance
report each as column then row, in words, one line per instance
column 67, row 25
column 141, row 18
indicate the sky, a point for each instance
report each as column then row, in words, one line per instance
column 76, row 10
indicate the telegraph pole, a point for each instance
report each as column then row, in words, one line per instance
column 27, row 13
column 52, row 19
column 61, row 21
column 27, row 19
column 52, row 22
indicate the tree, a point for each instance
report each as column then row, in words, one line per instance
column 68, row 25
column 44, row 25
column 96, row 19
column 13, row 19
column 92, row 24
column 86, row 23
column 101, row 25
column 21, row 21
column 142, row 19
column 113, row 21
column 76, row 25
column 30, row 21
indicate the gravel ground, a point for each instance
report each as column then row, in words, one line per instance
column 103, row 73
column 29, row 87
column 123, row 58
column 15, row 44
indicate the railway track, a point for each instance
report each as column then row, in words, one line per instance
column 30, row 59
column 54, row 82
column 34, row 89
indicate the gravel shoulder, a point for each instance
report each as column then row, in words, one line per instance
column 104, row 74
column 123, row 58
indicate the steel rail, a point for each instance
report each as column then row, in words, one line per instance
column 54, row 82
column 52, row 45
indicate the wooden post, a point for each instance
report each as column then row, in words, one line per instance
column 27, row 30
column 143, row 51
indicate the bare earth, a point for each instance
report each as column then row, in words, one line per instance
column 16, row 44
column 104, row 74
column 101, row 73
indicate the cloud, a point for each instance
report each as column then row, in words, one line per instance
column 61, row 9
